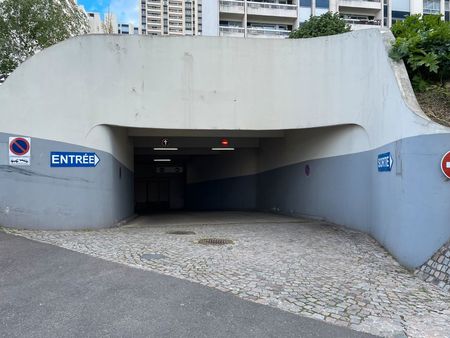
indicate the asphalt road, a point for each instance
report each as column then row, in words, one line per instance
column 47, row 291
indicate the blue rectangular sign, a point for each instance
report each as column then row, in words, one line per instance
column 73, row 159
column 385, row 162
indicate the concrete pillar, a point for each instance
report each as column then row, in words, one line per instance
column 442, row 9
column 245, row 18
column 389, row 14
column 416, row 7
column 313, row 7
column 334, row 6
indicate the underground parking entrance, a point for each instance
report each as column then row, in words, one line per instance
column 282, row 171
column 196, row 170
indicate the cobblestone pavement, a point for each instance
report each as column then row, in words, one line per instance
column 304, row 267
column 437, row 269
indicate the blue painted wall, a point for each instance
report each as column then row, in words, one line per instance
column 407, row 209
column 41, row 197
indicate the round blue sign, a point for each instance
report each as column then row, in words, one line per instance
column 19, row 146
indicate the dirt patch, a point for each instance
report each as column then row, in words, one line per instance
column 435, row 102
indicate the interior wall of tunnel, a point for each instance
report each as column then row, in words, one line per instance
column 322, row 173
column 226, row 181
column 270, row 176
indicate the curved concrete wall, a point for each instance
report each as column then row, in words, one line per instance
column 66, row 91
column 340, row 101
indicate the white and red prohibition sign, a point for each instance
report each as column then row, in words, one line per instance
column 445, row 165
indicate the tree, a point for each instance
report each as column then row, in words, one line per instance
column 107, row 24
column 423, row 43
column 325, row 24
column 28, row 26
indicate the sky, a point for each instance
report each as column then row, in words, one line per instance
column 126, row 10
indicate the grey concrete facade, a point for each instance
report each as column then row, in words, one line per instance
column 42, row 197
column 346, row 190
column 404, row 209
column 337, row 102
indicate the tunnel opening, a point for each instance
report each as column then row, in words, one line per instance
column 159, row 186
column 198, row 171
column 283, row 171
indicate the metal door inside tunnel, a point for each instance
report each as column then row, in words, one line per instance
column 158, row 187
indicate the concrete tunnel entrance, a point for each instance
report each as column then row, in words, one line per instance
column 196, row 170
column 283, row 171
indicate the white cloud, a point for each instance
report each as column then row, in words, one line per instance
column 127, row 11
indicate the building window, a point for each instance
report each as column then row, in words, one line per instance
column 431, row 7
column 305, row 3
column 322, row 3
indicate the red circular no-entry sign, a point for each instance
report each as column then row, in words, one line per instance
column 445, row 164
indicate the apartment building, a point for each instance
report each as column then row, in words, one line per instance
column 96, row 26
column 272, row 18
column 257, row 18
column 127, row 29
column 369, row 13
column 171, row 17
column 276, row 18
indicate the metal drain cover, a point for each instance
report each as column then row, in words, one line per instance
column 215, row 241
column 180, row 232
column 152, row 256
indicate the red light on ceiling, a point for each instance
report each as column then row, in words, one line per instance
column 224, row 142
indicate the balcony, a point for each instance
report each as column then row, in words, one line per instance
column 358, row 24
column 374, row 5
column 232, row 6
column 232, row 31
column 271, row 9
column 253, row 32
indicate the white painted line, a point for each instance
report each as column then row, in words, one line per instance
column 162, row 149
column 222, row 148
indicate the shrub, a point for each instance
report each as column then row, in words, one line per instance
column 325, row 24
column 423, row 43
column 28, row 26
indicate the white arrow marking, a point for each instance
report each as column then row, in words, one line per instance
column 96, row 160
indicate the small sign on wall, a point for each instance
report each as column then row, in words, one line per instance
column 385, row 162
column 169, row 170
column 60, row 159
column 19, row 151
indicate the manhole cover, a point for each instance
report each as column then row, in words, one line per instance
column 152, row 256
column 215, row 241
column 180, row 232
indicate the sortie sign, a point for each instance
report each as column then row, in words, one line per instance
column 73, row 159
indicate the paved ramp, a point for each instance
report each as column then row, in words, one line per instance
column 46, row 291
